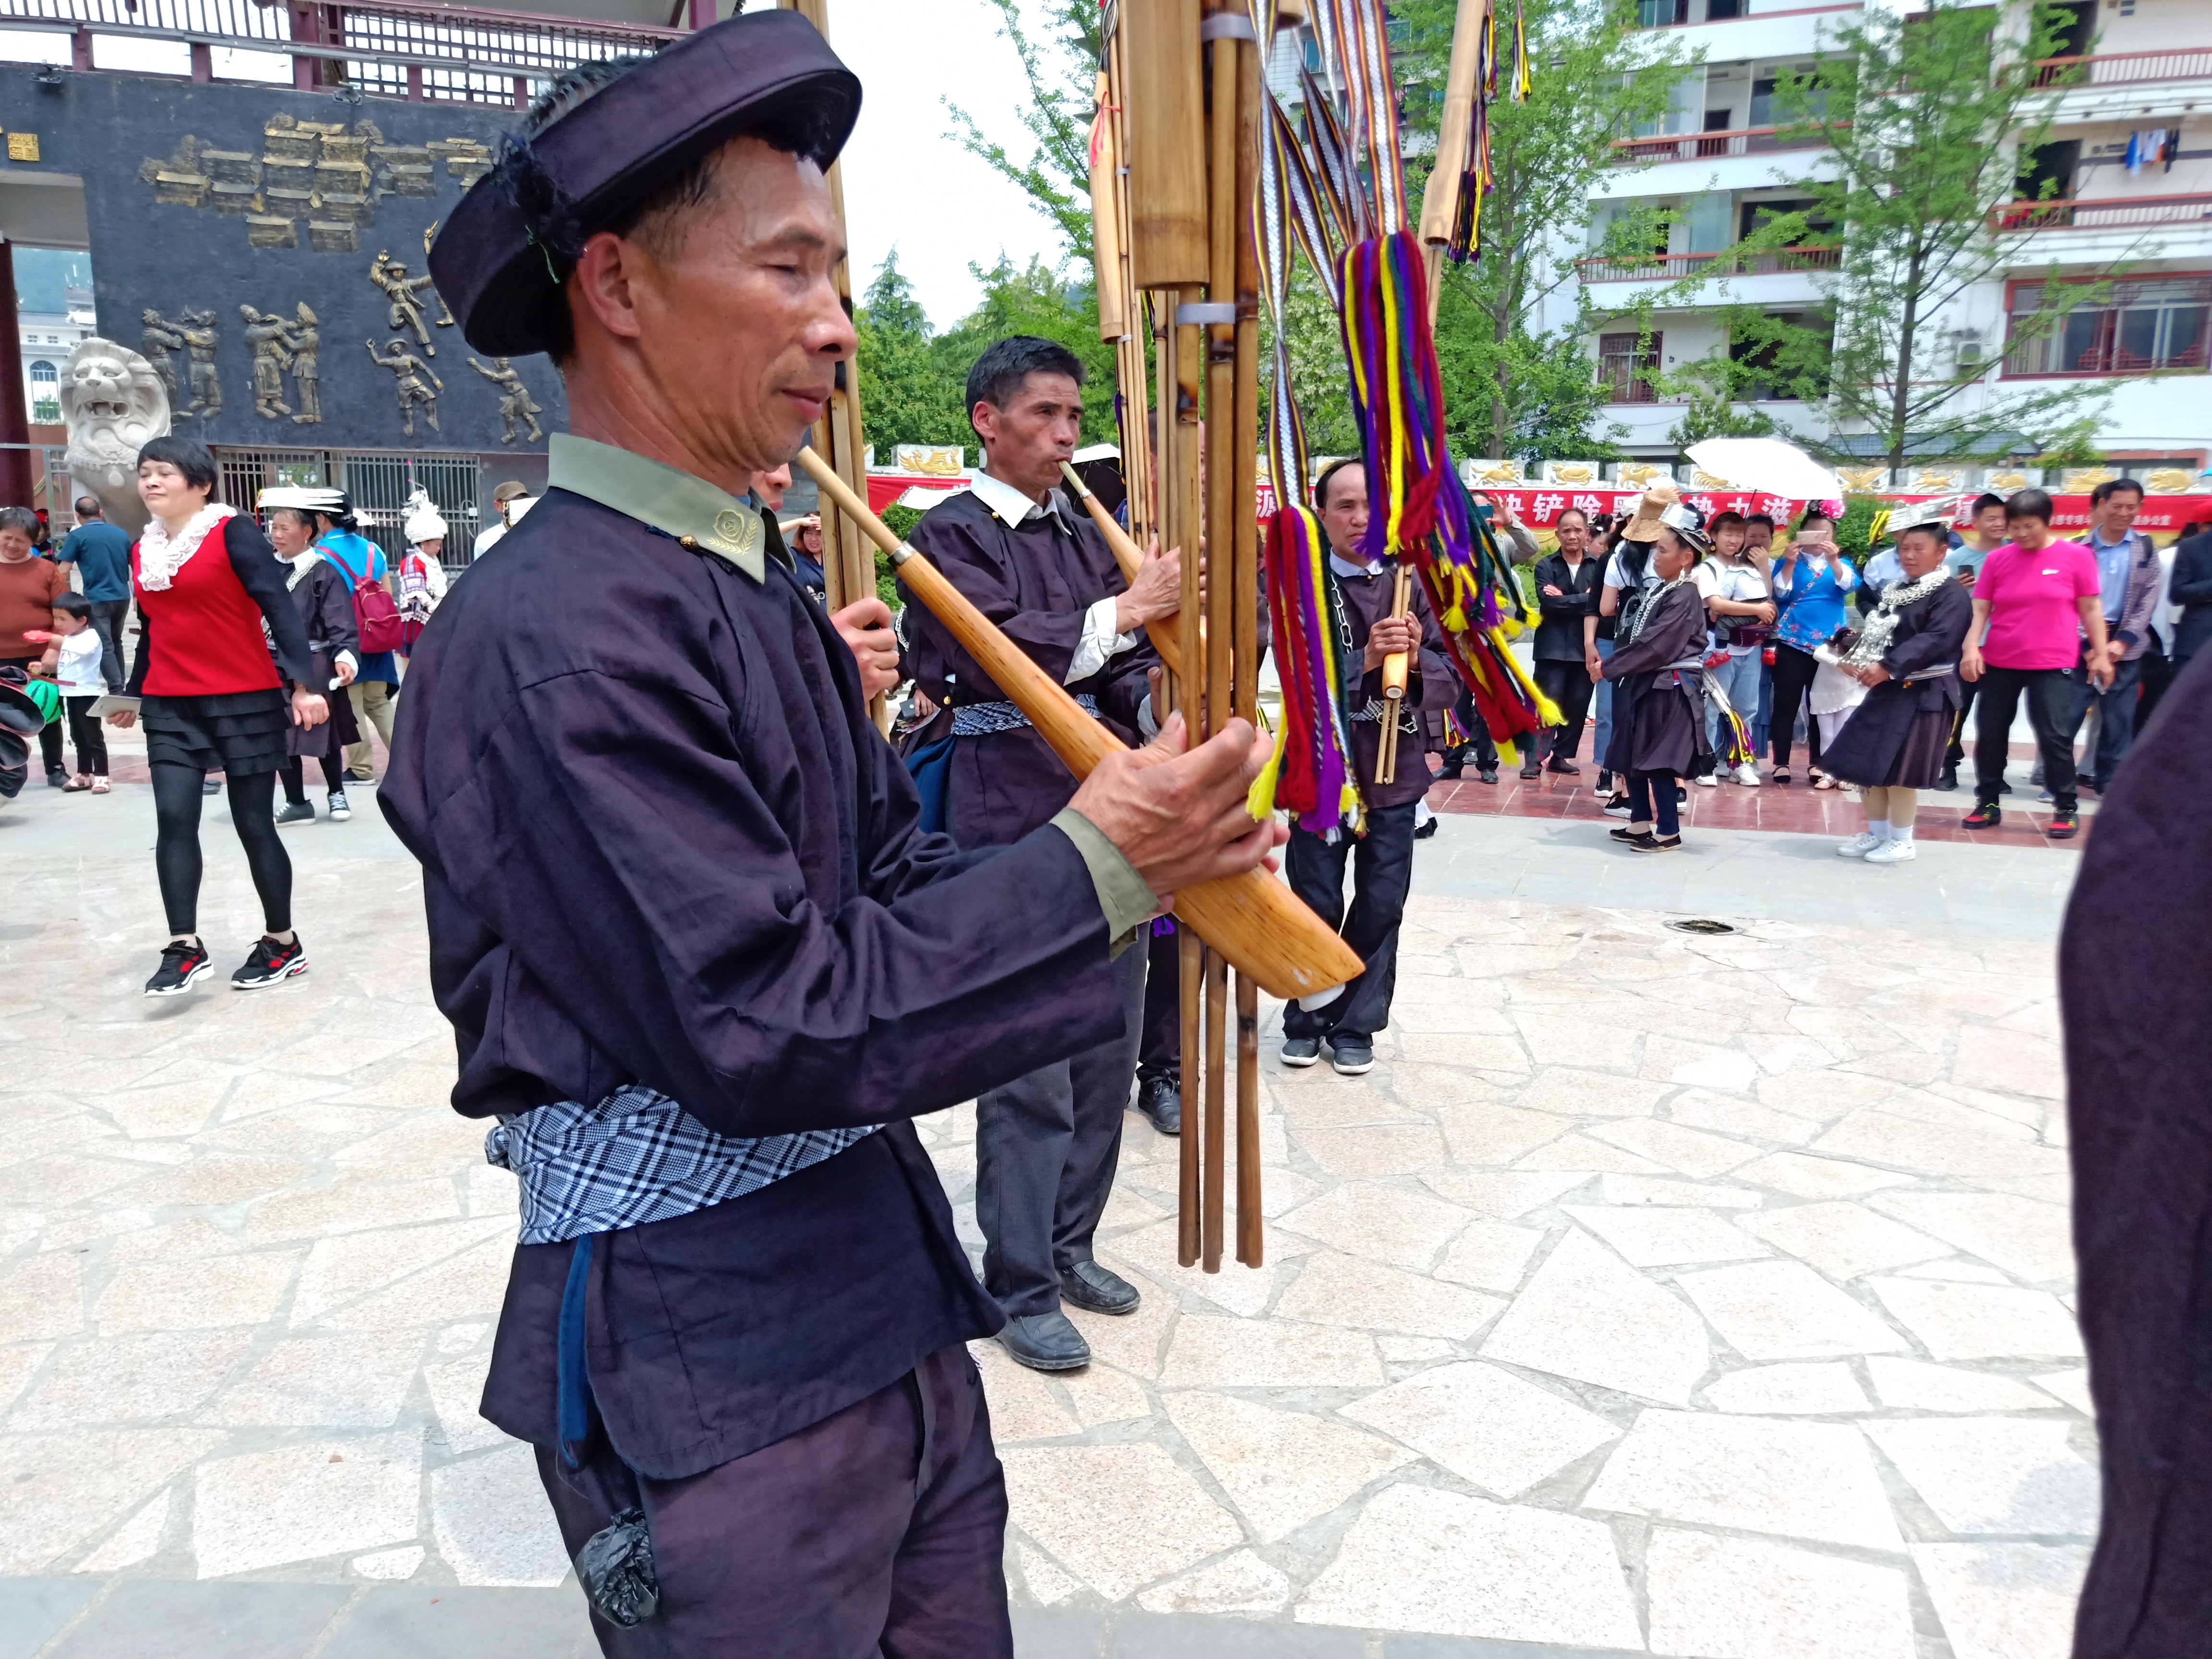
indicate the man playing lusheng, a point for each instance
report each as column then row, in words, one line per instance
column 1046, row 1142
column 701, row 962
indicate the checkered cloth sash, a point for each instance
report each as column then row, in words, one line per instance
column 638, row 1157
column 978, row 719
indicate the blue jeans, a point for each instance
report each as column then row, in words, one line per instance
column 1604, row 701
column 1763, row 714
column 1738, row 680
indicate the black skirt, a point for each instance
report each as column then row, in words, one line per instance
column 235, row 733
column 313, row 743
column 1886, row 745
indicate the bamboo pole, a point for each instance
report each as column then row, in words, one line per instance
column 1245, row 581
column 1395, row 669
column 1163, row 101
column 1163, row 634
column 1440, row 199
column 1254, row 920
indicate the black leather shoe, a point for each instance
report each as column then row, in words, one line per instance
column 1160, row 1101
column 1100, row 1289
column 1427, row 827
column 1045, row 1342
column 1488, row 774
column 1530, row 769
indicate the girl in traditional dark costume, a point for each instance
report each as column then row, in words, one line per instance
column 1658, row 659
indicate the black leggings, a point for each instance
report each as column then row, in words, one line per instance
column 176, row 843
column 1568, row 684
column 1793, row 678
column 295, row 777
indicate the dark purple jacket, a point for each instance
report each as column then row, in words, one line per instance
column 663, row 843
column 1035, row 581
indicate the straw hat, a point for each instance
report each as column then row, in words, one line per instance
column 1646, row 523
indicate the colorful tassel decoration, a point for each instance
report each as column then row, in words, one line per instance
column 1310, row 773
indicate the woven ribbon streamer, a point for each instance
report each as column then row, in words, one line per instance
column 1310, row 773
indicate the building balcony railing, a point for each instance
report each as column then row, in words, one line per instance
column 2111, row 213
column 1673, row 267
column 419, row 49
column 1697, row 146
column 1663, row 16
column 2125, row 69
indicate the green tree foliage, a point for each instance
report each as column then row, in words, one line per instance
column 1060, row 72
column 1510, row 387
column 914, row 381
column 1925, row 118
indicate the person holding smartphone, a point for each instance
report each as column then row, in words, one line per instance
column 1811, row 579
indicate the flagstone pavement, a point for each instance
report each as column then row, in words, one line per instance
column 1698, row 1295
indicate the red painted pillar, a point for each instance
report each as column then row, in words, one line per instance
column 702, row 13
column 81, row 47
column 15, row 414
column 203, row 61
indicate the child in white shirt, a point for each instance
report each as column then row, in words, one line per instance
column 78, row 679
column 1834, row 693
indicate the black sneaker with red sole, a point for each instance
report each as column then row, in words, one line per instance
column 1984, row 816
column 271, row 963
column 182, row 966
column 2065, row 826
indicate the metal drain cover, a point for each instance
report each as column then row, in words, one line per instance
column 1701, row 925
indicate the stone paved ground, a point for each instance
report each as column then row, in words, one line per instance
column 1702, row 1297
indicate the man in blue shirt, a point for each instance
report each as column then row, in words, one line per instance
column 101, row 554
column 2127, row 565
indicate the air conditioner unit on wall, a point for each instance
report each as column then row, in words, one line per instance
column 1966, row 347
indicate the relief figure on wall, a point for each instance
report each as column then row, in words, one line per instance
column 515, row 402
column 445, row 311
column 405, row 293
column 160, row 338
column 268, row 335
column 307, row 344
column 198, row 329
column 408, row 371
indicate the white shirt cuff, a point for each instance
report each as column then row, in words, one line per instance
column 1098, row 643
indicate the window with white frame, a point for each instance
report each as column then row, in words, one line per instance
column 2141, row 324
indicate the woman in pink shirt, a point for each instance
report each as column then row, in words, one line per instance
column 2035, row 598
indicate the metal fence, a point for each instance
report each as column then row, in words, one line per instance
column 2108, row 213
column 1698, row 146
column 422, row 51
column 380, row 485
column 1673, row 267
column 2122, row 69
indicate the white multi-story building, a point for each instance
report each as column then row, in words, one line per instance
column 46, row 337
column 2137, row 80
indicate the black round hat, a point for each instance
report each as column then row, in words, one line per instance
column 503, row 254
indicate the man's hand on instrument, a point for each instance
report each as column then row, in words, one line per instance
column 1390, row 635
column 864, row 625
column 1156, row 595
column 1178, row 813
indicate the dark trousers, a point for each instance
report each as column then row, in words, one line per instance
column 1962, row 724
column 1650, row 792
column 1159, row 1052
column 1793, row 678
column 50, row 734
column 1382, row 872
column 295, row 777
column 1568, row 684
column 1045, row 1145
column 2158, row 672
column 108, row 617
column 880, row 1530
column 89, row 735
column 2050, row 696
column 2116, row 719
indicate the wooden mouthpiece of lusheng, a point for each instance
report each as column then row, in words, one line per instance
column 1166, row 636
column 1253, row 919
column 1164, row 106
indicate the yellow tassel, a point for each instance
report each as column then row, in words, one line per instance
column 1507, row 754
column 1259, row 800
column 1547, row 712
column 1455, row 621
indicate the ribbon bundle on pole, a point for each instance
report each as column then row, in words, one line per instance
column 1310, row 776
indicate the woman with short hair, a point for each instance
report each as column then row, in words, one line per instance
column 213, row 699
column 1906, row 655
column 1658, row 657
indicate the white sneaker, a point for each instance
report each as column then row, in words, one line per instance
column 1747, row 774
column 1708, row 781
column 1893, row 852
column 1862, row 845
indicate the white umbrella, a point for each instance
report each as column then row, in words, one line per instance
column 1769, row 465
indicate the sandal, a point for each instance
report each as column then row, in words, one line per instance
column 1781, row 774
column 100, row 783
column 1824, row 782
column 76, row 785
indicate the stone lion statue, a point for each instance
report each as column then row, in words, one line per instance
column 114, row 403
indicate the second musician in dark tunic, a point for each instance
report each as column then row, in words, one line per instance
column 1659, row 659
column 1047, row 1143
column 1382, row 860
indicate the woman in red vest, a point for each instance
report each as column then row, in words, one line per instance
column 207, row 581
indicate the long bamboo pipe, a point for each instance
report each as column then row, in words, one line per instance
column 1396, row 668
column 1167, row 635
column 1253, row 919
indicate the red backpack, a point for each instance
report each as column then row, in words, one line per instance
column 373, row 609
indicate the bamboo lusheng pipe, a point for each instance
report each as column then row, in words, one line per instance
column 1253, row 919
column 1164, row 635
column 1245, row 574
column 1440, row 200
column 1394, row 669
